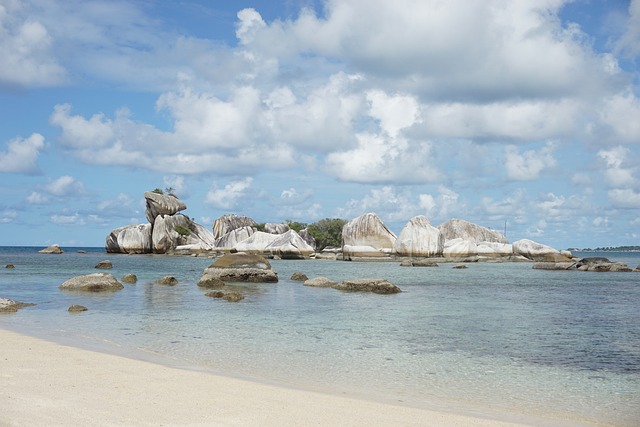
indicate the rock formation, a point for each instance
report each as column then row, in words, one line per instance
column 11, row 306
column 276, row 228
column 230, row 222
column 130, row 239
column 240, row 268
column 377, row 286
column 235, row 236
column 419, row 238
column 53, row 249
column 459, row 228
column 167, row 231
column 320, row 282
column 95, row 282
column 367, row 236
column 290, row 245
column 307, row 237
column 538, row 252
column 162, row 204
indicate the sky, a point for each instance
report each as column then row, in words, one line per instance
column 521, row 116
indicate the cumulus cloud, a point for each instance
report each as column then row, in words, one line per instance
column 624, row 198
column 37, row 198
column 618, row 173
column 230, row 195
column 22, row 155
column 64, row 186
column 443, row 205
column 177, row 184
column 291, row 196
column 68, row 219
column 528, row 165
column 26, row 50
column 388, row 202
column 629, row 42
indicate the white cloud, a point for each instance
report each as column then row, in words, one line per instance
column 619, row 115
column 624, row 198
column 37, row 198
column 445, row 204
column 528, row 165
column 230, row 195
column 629, row 42
column 389, row 203
column 394, row 112
column 291, row 196
column 64, row 186
column 8, row 216
column 67, row 220
column 22, row 155
column 250, row 23
column 122, row 206
column 26, row 50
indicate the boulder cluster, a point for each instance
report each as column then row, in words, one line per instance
column 363, row 238
column 457, row 240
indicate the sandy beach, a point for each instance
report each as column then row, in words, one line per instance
column 44, row 383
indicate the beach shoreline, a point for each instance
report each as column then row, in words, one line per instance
column 46, row 383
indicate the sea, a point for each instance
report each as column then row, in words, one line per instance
column 498, row 340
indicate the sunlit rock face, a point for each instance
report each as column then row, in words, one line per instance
column 276, row 228
column 230, row 222
column 461, row 229
column 368, row 230
column 179, row 232
column 131, row 239
column 233, row 237
column 419, row 238
column 162, row 204
column 538, row 252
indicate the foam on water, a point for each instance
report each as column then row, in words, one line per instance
column 558, row 344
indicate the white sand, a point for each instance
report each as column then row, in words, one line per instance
column 43, row 383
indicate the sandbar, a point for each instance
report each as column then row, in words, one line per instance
column 45, row 383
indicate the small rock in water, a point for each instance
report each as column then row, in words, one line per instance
column 377, row 286
column 9, row 266
column 461, row 266
column 210, row 282
column 130, row 278
column 75, row 308
column 214, row 294
column 167, row 280
column 320, row 282
column 228, row 296
column 105, row 264
column 11, row 306
column 298, row 276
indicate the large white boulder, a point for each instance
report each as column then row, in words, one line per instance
column 230, row 222
column 368, row 230
column 459, row 248
column 538, row 252
column 419, row 238
column 131, row 239
column 276, row 228
column 257, row 243
column 494, row 249
column 162, row 204
column 290, row 245
column 177, row 231
column 233, row 237
column 459, row 228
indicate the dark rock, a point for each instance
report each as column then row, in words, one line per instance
column 214, row 294
column 461, row 266
column 104, row 264
column 298, row 276
column 378, row 286
column 77, row 308
column 210, row 282
column 228, row 296
column 418, row 263
column 130, row 278
column 167, row 280
column 96, row 282
column 9, row 266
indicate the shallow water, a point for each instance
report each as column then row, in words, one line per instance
column 503, row 337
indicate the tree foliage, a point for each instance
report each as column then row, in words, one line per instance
column 295, row 225
column 327, row 232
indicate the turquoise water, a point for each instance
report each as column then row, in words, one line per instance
column 492, row 337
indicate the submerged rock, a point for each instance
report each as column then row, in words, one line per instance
column 298, row 276
column 77, row 308
column 320, row 282
column 130, row 278
column 104, row 264
column 96, row 282
column 378, row 286
column 418, row 263
column 231, row 296
column 554, row 265
column 10, row 266
column 167, row 280
column 11, row 306
column 210, row 282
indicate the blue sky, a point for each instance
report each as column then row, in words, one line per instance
column 524, row 112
